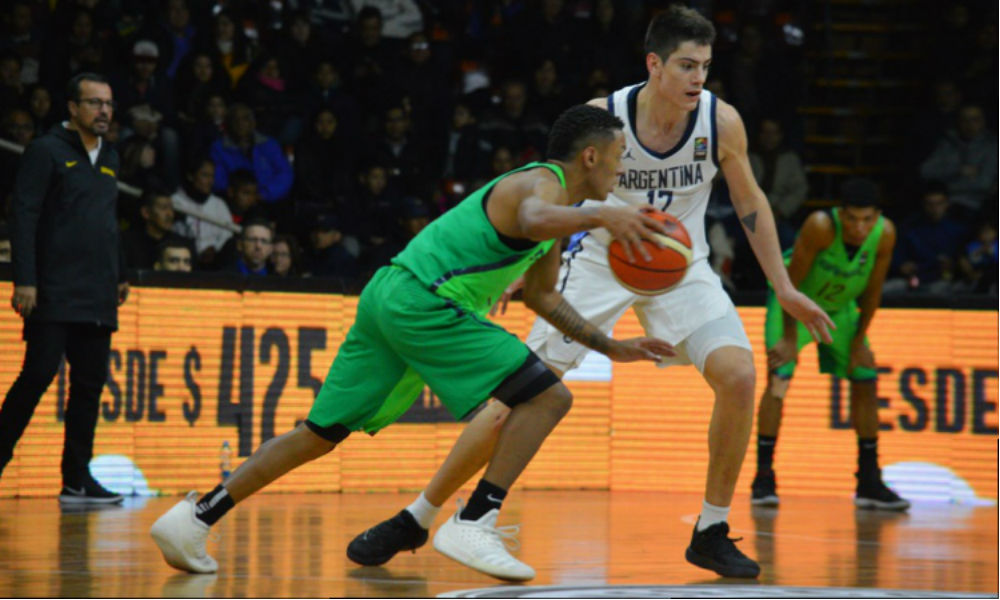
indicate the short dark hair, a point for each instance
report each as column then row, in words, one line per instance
column 240, row 178
column 172, row 241
column 369, row 12
column 860, row 193
column 577, row 128
column 677, row 25
column 256, row 222
column 151, row 193
column 73, row 86
column 935, row 187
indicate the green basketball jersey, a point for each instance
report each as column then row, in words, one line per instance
column 836, row 279
column 461, row 256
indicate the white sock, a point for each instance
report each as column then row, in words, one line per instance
column 423, row 511
column 711, row 514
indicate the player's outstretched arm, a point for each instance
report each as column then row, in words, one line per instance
column 541, row 296
column 758, row 222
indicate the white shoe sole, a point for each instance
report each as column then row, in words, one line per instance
column 174, row 555
column 771, row 500
column 444, row 546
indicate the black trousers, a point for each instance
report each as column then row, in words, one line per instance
column 87, row 348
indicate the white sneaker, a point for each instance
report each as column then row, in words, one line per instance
column 181, row 537
column 480, row 545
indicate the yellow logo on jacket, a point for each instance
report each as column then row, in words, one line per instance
column 107, row 171
column 70, row 163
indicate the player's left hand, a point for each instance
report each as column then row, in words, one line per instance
column 501, row 304
column 809, row 313
column 640, row 348
column 861, row 356
column 122, row 292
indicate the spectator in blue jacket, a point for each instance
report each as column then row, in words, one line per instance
column 242, row 147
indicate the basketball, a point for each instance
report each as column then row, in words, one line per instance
column 667, row 266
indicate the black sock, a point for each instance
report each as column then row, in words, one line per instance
column 868, row 456
column 486, row 497
column 765, row 452
column 214, row 505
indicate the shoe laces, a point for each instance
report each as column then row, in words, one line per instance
column 504, row 536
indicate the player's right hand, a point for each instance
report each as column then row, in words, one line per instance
column 631, row 226
column 501, row 304
column 809, row 314
column 24, row 299
column 640, row 348
column 782, row 353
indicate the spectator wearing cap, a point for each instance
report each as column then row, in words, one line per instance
column 254, row 247
column 243, row 147
column 328, row 257
column 195, row 193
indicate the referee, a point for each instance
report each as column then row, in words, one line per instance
column 68, row 278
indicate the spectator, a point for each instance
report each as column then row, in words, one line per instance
column 371, row 60
column 173, row 254
column 229, row 45
column 4, row 243
column 11, row 88
column 423, row 81
column 606, row 40
column 514, row 125
column 18, row 127
column 932, row 123
column 286, row 259
column 978, row 265
column 326, row 91
column 301, row 51
column 324, row 165
column 405, row 158
column 242, row 196
column 966, row 161
column 328, row 257
column 400, row 18
column 138, row 163
column 411, row 218
column 209, row 125
column 198, row 79
column 373, row 202
column 547, row 94
column 928, row 245
column 780, row 174
column 142, row 85
column 66, row 52
column 39, row 103
column 244, row 148
column 23, row 38
column 68, row 279
column 195, row 193
column 140, row 243
column 174, row 35
column 254, row 247
column 264, row 90
column 147, row 124
column 466, row 149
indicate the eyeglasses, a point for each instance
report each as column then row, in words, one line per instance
column 98, row 103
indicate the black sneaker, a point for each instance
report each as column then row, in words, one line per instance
column 89, row 492
column 377, row 545
column 872, row 493
column 714, row 550
column 763, row 489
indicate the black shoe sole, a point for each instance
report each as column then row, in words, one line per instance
column 381, row 559
column 707, row 563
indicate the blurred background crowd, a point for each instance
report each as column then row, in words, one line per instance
column 331, row 132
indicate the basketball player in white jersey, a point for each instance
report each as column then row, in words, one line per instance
column 678, row 136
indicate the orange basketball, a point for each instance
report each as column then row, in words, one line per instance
column 667, row 267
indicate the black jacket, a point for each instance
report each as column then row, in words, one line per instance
column 64, row 230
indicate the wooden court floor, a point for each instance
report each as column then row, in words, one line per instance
column 293, row 545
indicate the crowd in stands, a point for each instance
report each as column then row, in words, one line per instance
column 332, row 132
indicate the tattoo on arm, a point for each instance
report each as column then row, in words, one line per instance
column 750, row 221
column 567, row 320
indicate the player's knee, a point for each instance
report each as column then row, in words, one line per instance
column 557, row 399
column 737, row 382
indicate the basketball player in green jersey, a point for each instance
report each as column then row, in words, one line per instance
column 839, row 260
column 421, row 321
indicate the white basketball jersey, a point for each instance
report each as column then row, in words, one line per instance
column 678, row 181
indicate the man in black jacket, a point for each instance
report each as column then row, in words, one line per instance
column 68, row 278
